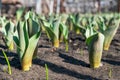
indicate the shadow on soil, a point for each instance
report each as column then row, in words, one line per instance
column 43, row 46
column 72, row 60
column 2, row 46
column 14, row 61
column 111, row 62
column 62, row 70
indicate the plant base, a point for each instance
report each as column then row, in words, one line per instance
column 77, row 31
column 11, row 46
column 95, row 65
column 26, row 67
column 56, row 43
column 106, row 47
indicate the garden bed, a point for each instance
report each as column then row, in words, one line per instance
column 71, row 65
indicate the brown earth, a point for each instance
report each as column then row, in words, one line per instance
column 71, row 65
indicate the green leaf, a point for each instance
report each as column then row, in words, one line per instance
column 64, row 18
column 55, row 27
column 89, row 31
column 33, row 27
column 19, row 13
column 26, row 38
column 64, row 30
column 90, row 39
column 50, row 33
column 21, row 38
column 8, row 34
column 28, row 54
column 52, row 28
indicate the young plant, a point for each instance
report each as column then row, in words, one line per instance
column 63, row 27
column 108, row 26
column 94, row 41
column 3, row 22
column 26, row 39
column 76, row 23
column 64, row 34
column 111, row 31
column 35, row 17
column 8, row 63
column 46, row 70
column 95, row 48
column 8, row 32
column 70, row 22
column 110, row 73
column 42, row 18
column 52, row 30
column 19, row 13
column 79, row 24
column 64, row 18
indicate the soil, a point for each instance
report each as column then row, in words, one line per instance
column 62, row 65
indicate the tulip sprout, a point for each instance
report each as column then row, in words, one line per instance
column 26, row 39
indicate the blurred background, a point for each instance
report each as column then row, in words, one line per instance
column 9, row 7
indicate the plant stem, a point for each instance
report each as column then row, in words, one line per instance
column 56, row 43
column 66, row 46
column 46, row 69
column 35, row 52
column 8, row 63
column 110, row 73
